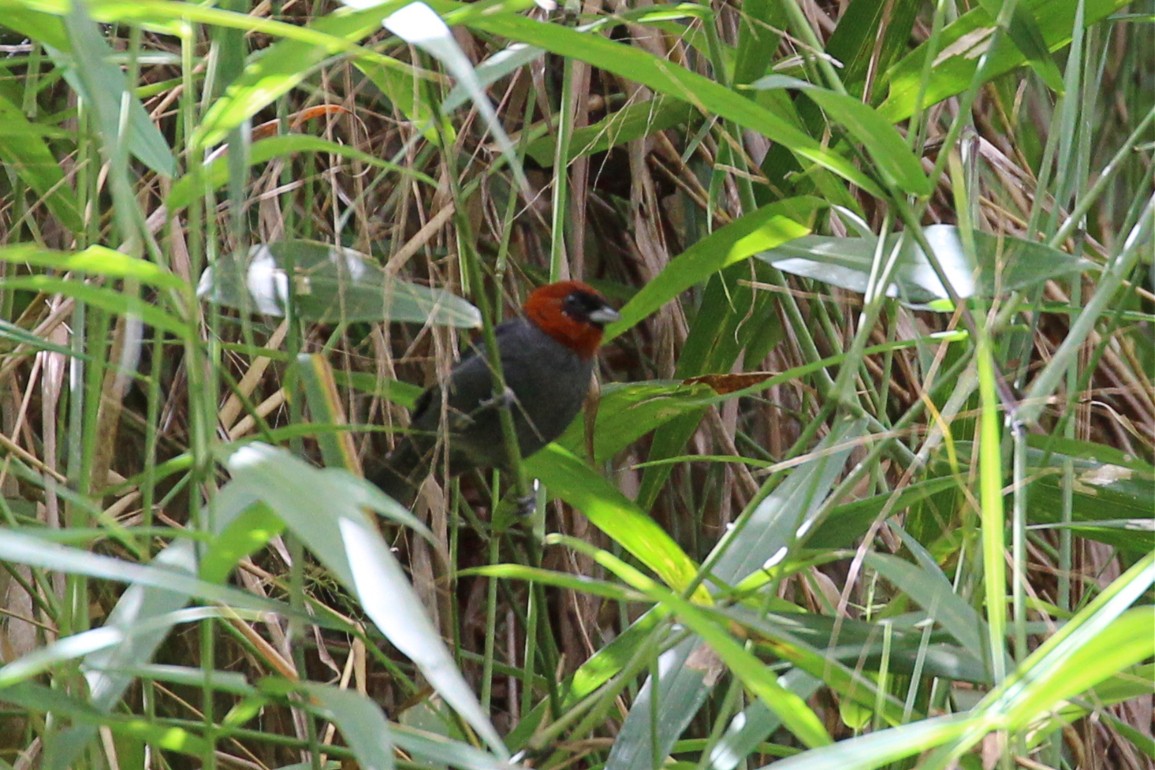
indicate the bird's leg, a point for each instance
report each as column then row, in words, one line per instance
column 464, row 420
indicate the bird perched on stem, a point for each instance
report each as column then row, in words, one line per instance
column 547, row 357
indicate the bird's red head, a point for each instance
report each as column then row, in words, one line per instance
column 571, row 312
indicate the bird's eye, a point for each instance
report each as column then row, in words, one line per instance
column 581, row 306
column 574, row 306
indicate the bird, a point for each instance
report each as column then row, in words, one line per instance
column 547, row 357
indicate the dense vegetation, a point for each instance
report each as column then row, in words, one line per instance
column 868, row 479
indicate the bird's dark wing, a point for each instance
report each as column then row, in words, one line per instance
column 421, row 406
column 548, row 382
column 470, row 383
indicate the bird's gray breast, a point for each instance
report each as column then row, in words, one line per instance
column 549, row 382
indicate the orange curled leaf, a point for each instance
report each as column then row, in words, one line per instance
column 729, row 383
column 269, row 128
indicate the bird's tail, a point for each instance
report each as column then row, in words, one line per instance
column 400, row 474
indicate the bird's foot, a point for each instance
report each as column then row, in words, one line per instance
column 526, row 505
column 506, row 398
column 465, row 420
column 514, row 509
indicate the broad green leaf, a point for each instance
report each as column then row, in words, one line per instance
column 107, row 299
column 759, row 33
column 933, row 592
column 1024, row 31
column 850, row 521
column 90, row 70
column 1004, row 264
column 1124, row 642
column 763, row 536
column 614, row 514
column 1111, row 492
column 757, row 542
column 864, row 643
column 963, row 42
column 699, row 669
column 892, row 158
column 242, row 533
column 823, row 661
column 731, row 317
column 324, row 508
column 1105, row 637
column 96, row 261
column 657, row 719
column 23, row 149
column 869, row 37
column 331, row 285
column 361, row 722
column 876, row 749
column 756, row 723
column 44, row 25
column 628, row 411
column 758, row 231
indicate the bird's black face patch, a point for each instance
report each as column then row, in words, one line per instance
column 581, row 305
